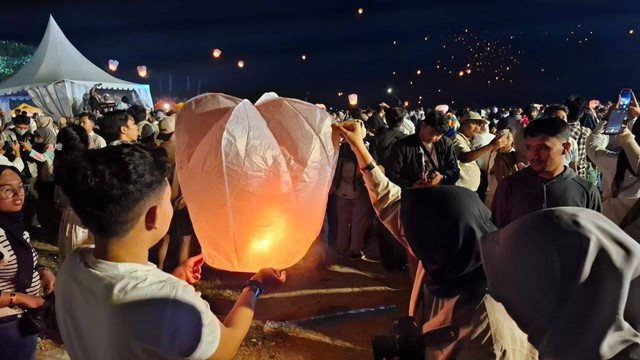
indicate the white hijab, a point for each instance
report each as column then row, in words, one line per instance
column 570, row 278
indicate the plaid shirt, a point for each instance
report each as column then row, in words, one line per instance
column 580, row 134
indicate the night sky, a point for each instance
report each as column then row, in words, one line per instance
column 351, row 53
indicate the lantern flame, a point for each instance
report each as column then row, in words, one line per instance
column 142, row 71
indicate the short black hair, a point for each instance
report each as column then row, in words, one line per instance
column 551, row 110
column 111, row 123
column 91, row 116
column 108, row 187
column 22, row 120
column 395, row 116
column 138, row 113
column 549, row 126
column 380, row 108
column 577, row 107
column 438, row 121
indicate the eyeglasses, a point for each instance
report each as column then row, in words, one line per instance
column 11, row 192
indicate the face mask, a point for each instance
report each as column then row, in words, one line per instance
column 21, row 132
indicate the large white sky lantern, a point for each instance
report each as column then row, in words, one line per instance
column 255, row 177
column 142, row 71
column 113, row 65
column 353, row 99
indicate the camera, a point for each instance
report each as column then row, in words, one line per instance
column 408, row 342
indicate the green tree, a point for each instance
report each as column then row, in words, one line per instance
column 13, row 56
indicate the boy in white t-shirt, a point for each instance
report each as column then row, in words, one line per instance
column 111, row 303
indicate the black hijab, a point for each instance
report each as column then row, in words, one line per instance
column 13, row 226
column 443, row 225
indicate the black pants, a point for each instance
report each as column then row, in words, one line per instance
column 14, row 345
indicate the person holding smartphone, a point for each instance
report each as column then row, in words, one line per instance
column 620, row 168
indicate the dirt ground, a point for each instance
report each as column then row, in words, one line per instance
column 309, row 317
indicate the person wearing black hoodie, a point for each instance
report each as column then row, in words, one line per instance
column 441, row 227
column 546, row 183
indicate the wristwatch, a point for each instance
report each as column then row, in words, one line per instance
column 370, row 166
column 12, row 298
column 255, row 286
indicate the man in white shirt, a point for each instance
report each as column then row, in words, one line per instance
column 88, row 122
column 111, row 303
column 469, row 170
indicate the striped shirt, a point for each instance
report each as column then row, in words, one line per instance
column 9, row 271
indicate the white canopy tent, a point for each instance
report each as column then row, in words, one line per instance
column 58, row 76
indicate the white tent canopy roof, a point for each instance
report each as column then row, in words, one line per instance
column 56, row 59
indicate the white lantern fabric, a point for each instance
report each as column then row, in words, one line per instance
column 255, row 177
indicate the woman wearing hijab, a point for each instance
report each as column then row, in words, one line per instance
column 20, row 277
column 620, row 172
column 570, row 278
column 441, row 226
column 46, row 122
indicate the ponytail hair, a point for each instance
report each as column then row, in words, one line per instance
column 72, row 144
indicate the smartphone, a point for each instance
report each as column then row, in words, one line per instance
column 625, row 98
column 616, row 120
column 8, row 144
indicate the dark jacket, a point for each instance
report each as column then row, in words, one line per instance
column 375, row 122
column 524, row 192
column 383, row 143
column 406, row 162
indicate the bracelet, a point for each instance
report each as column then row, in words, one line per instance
column 256, row 286
column 370, row 166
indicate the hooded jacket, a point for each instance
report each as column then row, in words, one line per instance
column 524, row 192
column 570, row 279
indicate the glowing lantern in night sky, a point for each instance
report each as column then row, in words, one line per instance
column 304, row 57
column 142, row 71
column 360, row 11
column 353, row 99
column 255, row 177
column 240, row 64
column 113, row 65
column 217, row 53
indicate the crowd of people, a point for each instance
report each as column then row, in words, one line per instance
column 519, row 227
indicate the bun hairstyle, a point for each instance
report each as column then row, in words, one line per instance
column 71, row 145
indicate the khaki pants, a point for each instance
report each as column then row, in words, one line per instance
column 353, row 218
